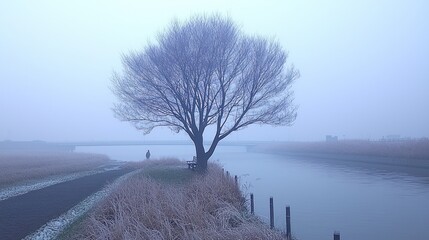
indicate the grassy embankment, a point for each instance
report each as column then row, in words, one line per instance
column 410, row 154
column 411, row 149
column 168, row 201
column 19, row 167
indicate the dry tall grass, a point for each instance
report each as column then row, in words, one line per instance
column 18, row 167
column 412, row 149
column 205, row 207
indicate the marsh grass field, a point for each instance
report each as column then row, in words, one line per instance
column 169, row 201
column 406, row 149
column 17, row 167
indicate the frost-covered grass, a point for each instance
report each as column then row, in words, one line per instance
column 168, row 201
column 412, row 149
column 19, row 167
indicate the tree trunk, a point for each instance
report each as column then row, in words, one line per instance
column 202, row 161
column 202, row 157
column 201, row 164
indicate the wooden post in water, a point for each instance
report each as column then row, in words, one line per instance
column 271, row 213
column 336, row 235
column 236, row 180
column 252, row 204
column 288, row 228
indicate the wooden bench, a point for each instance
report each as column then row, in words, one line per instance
column 192, row 164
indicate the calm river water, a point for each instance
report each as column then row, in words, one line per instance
column 361, row 201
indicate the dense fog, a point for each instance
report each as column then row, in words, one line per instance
column 363, row 65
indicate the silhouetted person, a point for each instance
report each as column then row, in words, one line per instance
column 147, row 154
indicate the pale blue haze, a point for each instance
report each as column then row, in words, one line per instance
column 363, row 64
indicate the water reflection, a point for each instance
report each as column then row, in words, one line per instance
column 363, row 201
column 385, row 171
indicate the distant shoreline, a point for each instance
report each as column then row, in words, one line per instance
column 33, row 146
column 404, row 154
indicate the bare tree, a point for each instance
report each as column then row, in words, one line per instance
column 205, row 74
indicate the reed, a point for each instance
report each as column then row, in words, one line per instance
column 410, row 149
column 208, row 206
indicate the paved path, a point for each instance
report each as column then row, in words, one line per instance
column 24, row 214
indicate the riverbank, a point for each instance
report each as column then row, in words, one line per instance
column 168, row 201
column 412, row 153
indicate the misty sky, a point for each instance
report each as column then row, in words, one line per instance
column 364, row 65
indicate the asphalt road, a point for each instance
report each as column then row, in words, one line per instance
column 24, row 214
